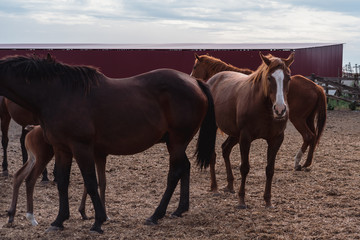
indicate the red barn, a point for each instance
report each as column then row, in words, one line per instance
column 123, row 60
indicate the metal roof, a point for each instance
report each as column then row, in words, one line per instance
column 170, row 46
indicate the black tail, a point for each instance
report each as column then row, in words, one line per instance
column 205, row 147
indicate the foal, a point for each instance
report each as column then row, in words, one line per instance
column 39, row 155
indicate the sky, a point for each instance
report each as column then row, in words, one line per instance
column 186, row 21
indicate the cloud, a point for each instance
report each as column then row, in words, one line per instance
column 150, row 21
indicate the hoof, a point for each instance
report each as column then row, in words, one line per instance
column 96, row 229
column 176, row 215
column 298, row 168
column 44, row 183
column 54, row 229
column 83, row 215
column 269, row 206
column 229, row 190
column 5, row 174
column 151, row 222
column 242, row 206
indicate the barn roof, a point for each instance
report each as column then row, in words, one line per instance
column 171, row 46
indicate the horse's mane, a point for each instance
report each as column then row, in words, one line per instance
column 35, row 69
column 260, row 74
column 216, row 65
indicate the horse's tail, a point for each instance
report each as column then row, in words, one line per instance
column 205, row 148
column 321, row 115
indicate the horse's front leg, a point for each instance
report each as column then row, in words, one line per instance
column 63, row 161
column 273, row 147
column 244, row 168
column 227, row 147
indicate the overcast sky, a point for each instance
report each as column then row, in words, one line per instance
column 168, row 21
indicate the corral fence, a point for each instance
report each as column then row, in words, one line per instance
column 340, row 88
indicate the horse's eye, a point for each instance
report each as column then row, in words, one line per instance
column 269, row 78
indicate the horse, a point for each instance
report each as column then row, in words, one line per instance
column 40, row 153
column 307, row 102
column 10, row 110
column 249, row 107
column 86, row 115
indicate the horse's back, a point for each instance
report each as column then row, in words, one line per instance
column 231, row 96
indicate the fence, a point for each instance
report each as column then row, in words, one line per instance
column 346, row 89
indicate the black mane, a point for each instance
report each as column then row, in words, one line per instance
column 35, row 69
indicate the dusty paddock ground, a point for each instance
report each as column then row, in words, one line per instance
column 323, row 203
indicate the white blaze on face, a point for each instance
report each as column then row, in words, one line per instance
column 279, row 105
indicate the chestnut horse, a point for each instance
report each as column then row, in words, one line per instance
column 307, row 102
column 40, row 153
column 249, row 107
column 10, row 110
column 86, row 115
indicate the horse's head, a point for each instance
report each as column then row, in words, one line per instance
column 276, row 77
column 200, row 69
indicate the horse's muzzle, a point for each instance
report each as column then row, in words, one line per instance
column 279, row 111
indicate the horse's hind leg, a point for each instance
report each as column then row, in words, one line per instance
column 307, row 135
column 312, row 142
column 179, row 169
column 184, row 189
column 19, row 177
column 227, row 146
column 100, row 169
column 42, row 159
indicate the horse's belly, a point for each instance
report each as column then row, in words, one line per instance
column 128, row 144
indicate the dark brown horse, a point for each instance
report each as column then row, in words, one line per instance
column 307, row 103
column 10, row 110
column 249, row 107
column 40, row 153
column 86, row 115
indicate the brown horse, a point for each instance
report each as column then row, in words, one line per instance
column 307, row 102
column 86, row 115
column 10, row 110
column 248, row 107
column 40, row 153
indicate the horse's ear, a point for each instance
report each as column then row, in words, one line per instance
column 197, row 56
column 265, row 59
column 290, row 59
column 48, row 57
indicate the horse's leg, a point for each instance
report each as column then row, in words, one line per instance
column 184, row 188
column 100, row 162
column 307, row 135
column 22, row 143
column 63, row 161
column 19, row 177
column 244, row 168
column 213, row 186
column 273, row 147
column 86, row 160
column 312, row 141
column 82, row 205
column 226, row 147
column 5, row 122
column 100, row 169
column 43, row 157
column 179, row 168
column 24, row 132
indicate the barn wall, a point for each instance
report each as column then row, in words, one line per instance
column 324, row 61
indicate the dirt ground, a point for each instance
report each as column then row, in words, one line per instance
column 323, row 203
